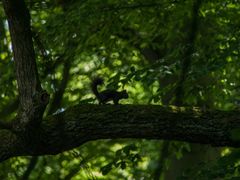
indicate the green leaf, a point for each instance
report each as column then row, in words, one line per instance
column 123, row 165
column 106, row 169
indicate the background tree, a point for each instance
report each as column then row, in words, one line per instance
column 169, row 52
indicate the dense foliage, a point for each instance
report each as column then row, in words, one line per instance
column 140, row 46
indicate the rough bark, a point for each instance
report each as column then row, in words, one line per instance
column 83, row 123
column 33, row 99
column 24, row 56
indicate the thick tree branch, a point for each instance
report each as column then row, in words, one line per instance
column 83, row 123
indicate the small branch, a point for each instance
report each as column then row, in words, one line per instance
column 51, row 63
column 164, row 153
column 187, row 56
column 31, row 166
column 40, row 45
column 57, row 98
column 73, row 172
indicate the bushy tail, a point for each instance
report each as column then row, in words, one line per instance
column 95, row 83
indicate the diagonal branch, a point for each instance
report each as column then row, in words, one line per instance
column 24, row 56
column 56, row 102
column 33, row 99
column 30, row 167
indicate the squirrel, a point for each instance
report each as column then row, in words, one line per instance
column 108, row 94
